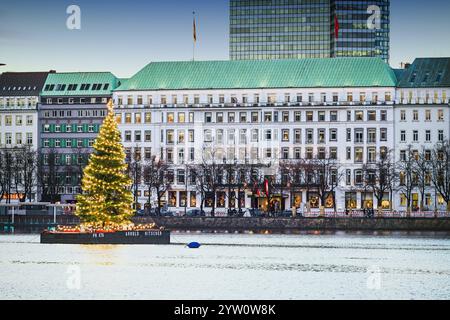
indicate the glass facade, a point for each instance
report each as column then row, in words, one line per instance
column 356, row 39
column 295, row 29
column 279, row 29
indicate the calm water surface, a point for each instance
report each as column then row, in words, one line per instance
column 230, row 267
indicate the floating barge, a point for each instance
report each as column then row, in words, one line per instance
column 119, row 237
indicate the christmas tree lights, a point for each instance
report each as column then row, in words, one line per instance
column 106, row 201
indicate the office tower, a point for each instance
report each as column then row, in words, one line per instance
column 296, row 29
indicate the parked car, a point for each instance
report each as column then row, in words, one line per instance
column 256, row 213
column 284, row 214
column 141, row 212
column 195, row 213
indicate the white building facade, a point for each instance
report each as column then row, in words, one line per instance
column 261, row 111
column 19, row 96
column 422, row 120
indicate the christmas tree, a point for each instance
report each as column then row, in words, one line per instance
column 106, row 201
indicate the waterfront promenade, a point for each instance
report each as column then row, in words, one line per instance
column 331, row 222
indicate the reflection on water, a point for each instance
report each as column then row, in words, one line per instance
column 231, row 267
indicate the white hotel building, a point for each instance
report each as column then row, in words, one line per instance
column 19, row 97
column 264, row 111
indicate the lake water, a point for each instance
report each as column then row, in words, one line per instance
column 228, row 266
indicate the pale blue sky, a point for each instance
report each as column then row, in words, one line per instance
column 123, row 36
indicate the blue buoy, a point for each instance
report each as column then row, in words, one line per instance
column 194, row 245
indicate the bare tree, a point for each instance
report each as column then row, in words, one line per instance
column 24, row 172
column 134, row 171
column 422, row 169
column 380, row 176
column 157, row 178
column 293, row 175
column 327, row 176
column 6, row 176
column 210, row 172
column 441, row 171
column 49, row 175
column 407, row 176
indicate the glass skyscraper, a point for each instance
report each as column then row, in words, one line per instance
column 295, row 29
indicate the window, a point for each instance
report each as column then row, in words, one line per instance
column 255, row 135
column 371, row 155
column 321, row 136
column 383, row 134
column 349, row 135
column 309, row 153
column 333, row 134
column 309, row 136
column 191, row 135
column 208, row 117
column 231, row 117
column 403, row 136
column 359, row 116
column 137, row 118
column 243, row 136
column 268, row 135
column 243, row 117
column 148, row 117
column 170, row 117
column 298, row 116
column 170, row 136
column 137, row 136
column 309, row 116
column 255, row 117
column 402, row 115
column 427, row 115
column 359, row 154
column 348, row 177
column 207, row 136
column 371, row 135
column 371, row 115
column 348, row 153
column 359, row 135
column 128, row 118
column 19, row 138
column 267, row 116
column 441, row 135
column 285, row 135
column 127, row 136
column 285, row 153
column 415, row 136
column 428, row 135
column 440, row 115
column 333, row 116
column 29, row 138
column 219, row 117
column 358, row 177
column 333, row 153
column 415, row 115
column 8, row 120
column 383, row 115
column 349, row 97
column 285, row 116
column 297, row 136
column 321, row 116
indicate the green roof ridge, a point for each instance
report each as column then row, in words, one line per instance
column 245, row 74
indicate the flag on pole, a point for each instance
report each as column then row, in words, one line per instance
column 336, row 27
column 194, row 29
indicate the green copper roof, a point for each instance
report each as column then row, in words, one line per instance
column 303, row 73
column 427, row 73
column 79, row 84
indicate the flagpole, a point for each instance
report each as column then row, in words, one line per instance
column 194, row 39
